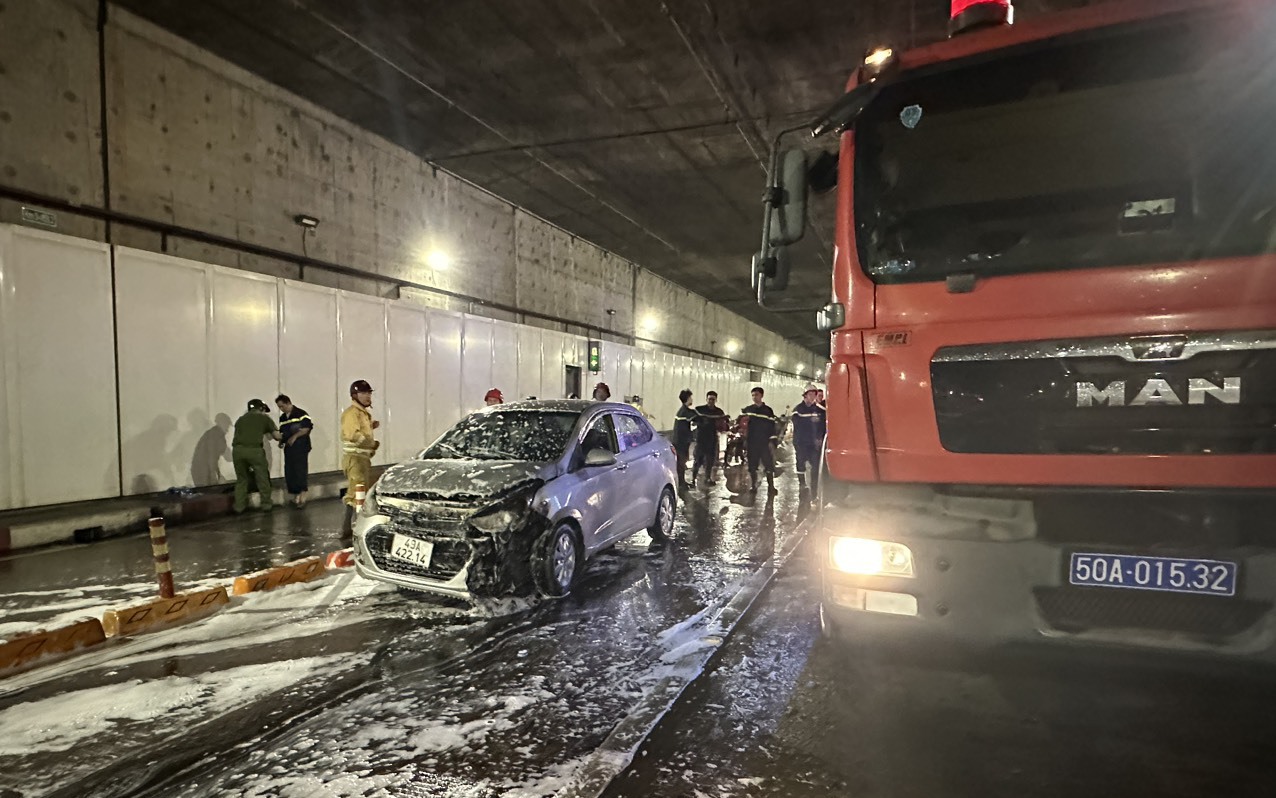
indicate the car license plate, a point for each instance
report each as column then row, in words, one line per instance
column 1171, row 574
column 409, row 549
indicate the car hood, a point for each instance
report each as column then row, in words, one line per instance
column 459, row 480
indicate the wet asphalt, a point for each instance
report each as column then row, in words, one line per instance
column 785, row 712
column 415, row 696
column 419, row 695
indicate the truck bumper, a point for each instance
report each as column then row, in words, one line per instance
column 991, row 593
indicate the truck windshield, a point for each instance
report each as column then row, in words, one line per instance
column 1147, row 144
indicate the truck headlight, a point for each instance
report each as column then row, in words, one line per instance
column 870, row 557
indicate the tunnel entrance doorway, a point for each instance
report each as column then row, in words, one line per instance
column 572, row 387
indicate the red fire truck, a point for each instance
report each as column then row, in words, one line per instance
column 1052, row 395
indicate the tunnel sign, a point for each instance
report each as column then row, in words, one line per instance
column 595, row 356
column 37, row 216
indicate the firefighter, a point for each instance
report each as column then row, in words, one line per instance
column 809, row 427
column 358, row 444
column 709, row 421
column 248, row 454
column 758, row 439
column 295, row 426
column 493, row 397
column 682, row 436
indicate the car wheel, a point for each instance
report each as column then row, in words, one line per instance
column 557, row 561
column 662, row 527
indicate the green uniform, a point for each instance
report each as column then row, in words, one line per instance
column 249, row 457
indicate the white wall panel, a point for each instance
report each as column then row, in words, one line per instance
column 476, row 362
column 553, row 377
column 8, row 383
column 162, row 308
column 404, row 399
column 308, row 367
column 245, row 337
column 624, row 362
column 611, row 356
column 442, row 389
column 529, row 362
column 505, row 371
column 361, row 356
column 62, row 441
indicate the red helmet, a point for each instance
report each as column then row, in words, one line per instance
column 495, row 393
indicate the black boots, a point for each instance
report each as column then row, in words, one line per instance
column 347, row 524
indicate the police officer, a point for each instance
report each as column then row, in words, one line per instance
column 809, row 427
column 358, row 444
column 295, row 426
column 762, row 432
column 709, row 420
column 248, row 454
column 682, row 436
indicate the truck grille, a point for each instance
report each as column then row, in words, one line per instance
column 1078, row 609
column 1110, row 396
column 449, row 557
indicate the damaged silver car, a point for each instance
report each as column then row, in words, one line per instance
column 515, row 498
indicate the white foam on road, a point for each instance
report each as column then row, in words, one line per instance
column 61, row 722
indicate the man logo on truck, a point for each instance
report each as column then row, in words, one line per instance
column 1159, row 392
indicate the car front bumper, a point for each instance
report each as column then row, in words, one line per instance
column 366, row 565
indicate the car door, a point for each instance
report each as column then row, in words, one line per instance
column 642, row 483
column 592, row 491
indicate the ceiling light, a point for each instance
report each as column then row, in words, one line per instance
column 438, row 260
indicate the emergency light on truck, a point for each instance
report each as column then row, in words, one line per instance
column 969, row 14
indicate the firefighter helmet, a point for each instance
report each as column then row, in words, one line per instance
column 360, row 386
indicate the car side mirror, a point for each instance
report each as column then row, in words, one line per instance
column 596, row 458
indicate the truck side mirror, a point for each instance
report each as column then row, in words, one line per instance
column 786, row 199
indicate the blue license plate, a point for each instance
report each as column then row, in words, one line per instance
column 1170, row 574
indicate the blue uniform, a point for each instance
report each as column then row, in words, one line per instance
column 297, row 455
column 809, row 428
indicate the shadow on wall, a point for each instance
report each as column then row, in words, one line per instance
column 148, row 456
column 211, row 450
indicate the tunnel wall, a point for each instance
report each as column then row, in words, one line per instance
column 193, row 141
column 184, row 345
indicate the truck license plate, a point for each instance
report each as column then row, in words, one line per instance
column 411, row 550
column 1170, row 574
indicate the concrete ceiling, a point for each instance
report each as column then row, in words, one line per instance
column 640, row 125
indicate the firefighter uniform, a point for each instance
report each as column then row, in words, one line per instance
column 358, row 444
column 809, row 428
column 248, row 455
column 357, row 448
column 758, row 437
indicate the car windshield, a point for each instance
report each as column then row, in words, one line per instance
column 525, row 435
column 1144, row 145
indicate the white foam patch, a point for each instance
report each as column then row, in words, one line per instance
column 60, row 722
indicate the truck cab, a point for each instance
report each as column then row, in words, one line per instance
column 1052, row 390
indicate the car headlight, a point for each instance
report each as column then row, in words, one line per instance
column 505, row 514
column 870, row 557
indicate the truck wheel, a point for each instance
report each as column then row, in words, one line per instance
column 556, row 561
